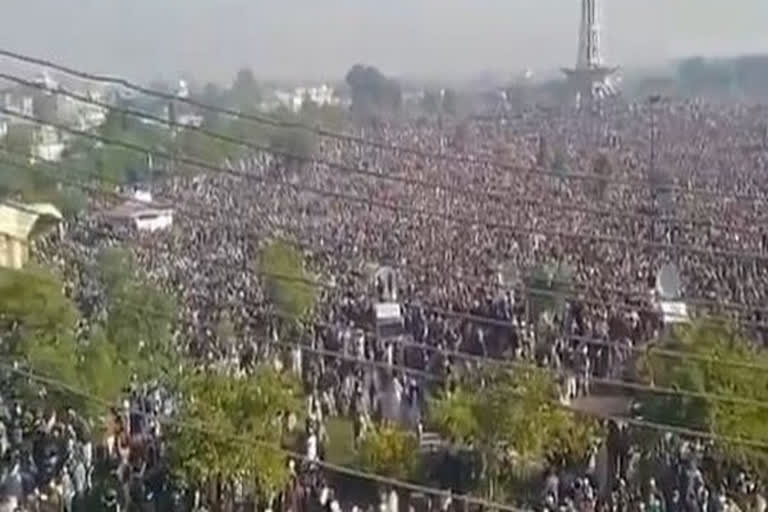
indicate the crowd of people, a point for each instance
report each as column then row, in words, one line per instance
column 464, row 237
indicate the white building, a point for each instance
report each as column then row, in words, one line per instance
column 320, row 95
column 142, row 213
column 48, row 145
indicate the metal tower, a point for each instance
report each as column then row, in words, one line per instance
column 590, row 78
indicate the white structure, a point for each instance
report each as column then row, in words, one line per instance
column 142, row 213
column 590, row 78
column 320, row 95
column 48, row 144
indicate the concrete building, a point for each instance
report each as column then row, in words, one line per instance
column 320, row 95
column 19, row 224
column 142, row 213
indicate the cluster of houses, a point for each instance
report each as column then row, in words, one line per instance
column 22, row 223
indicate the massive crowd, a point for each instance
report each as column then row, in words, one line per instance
column 464, row 240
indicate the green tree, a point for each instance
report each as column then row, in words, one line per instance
column 34, row 308
column 19, row 139
column 140, row 317
column 288, row 284
column 514, row 422
column 390, row 451
column 37, row 183
column 38, row 323
column 232, row 428
column 707, row 343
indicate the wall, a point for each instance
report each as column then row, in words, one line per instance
column 155, row 222
column 13, row 252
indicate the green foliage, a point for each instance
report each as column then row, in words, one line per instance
column 140, row 317
column 243, row 432
column 117, row 164
column 19, row 139
column 288, row 284
column 515, row 420
column 39, row 322
column 34, row 307
column 453, row 414
column 391, row 452
column 708, row 344
column 37, row 183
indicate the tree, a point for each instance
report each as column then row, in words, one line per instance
column 373, row 94
column 140, row 317
column 390, row 451
column 288, row 284
column 38, row 322
column 245, row 93
column 34, row 308
column 515, row 420
column 708, row 345
column 231, row 428
column 19, row 139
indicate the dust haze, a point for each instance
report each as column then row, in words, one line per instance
column 302, row 39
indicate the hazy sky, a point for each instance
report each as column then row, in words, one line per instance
column 321, row 38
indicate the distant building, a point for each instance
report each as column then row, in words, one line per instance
column 142, row 213
column 320, row 96
column 20, row 223
column 48, row 144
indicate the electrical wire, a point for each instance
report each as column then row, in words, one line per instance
column 212, row 431
column 502, row 197
column 461, row 315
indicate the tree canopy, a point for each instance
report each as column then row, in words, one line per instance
column 373, row 94
column 514, row 420
column 39, row 322
column 289, row 286
column 708, row 346
column 248, row 414
column 389, row 451
column 140, row 317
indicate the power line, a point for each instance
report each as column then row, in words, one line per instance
column 614, row 383
column 498, row 197
column 640, row 423
column 207, row 429
column 122, row 82
column 737, row 255
column 462, row 315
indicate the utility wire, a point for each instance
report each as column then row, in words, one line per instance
column 122, row 82
column 461, row 315
column 737, row 255
column 209, row 430
column 614, row 383
column 640, row 423
column 503, row 197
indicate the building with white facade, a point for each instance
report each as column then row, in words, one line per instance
column 320, row 95
column 142, row 213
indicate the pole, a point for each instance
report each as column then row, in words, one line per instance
column 652, row 164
